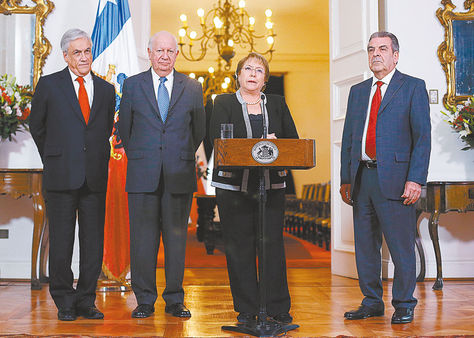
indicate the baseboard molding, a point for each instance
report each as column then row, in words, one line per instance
column 451, row 269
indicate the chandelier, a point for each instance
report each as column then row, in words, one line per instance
column 224, row 27
column 215, row 81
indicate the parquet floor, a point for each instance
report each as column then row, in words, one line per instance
column 319, row 301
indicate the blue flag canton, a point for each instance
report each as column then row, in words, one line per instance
column 108, row 25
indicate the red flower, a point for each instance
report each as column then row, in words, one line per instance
column 7, row 98
column 25, row 114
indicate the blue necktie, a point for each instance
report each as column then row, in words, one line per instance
column 163, row 99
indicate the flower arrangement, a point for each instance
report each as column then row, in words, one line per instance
column 15, row 107
column 461, row 119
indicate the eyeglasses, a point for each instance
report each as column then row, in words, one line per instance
column 169, row 52
column 258, row 70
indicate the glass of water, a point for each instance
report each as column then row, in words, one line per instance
column 227, row 130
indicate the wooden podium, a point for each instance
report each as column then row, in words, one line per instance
column 263, row 154
column 237, row 153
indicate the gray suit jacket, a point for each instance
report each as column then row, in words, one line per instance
column 155, row 148
column 403, row 134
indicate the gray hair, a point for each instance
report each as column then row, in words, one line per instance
column 71, row 35
column 152, row 38
column 382, row 34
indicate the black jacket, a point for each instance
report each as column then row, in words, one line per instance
column 71, row 150
column 228, row 109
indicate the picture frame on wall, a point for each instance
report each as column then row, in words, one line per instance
column 456, row 52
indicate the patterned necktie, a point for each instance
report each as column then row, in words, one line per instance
column 163, row 99
column 370, row 149
column 83, row 99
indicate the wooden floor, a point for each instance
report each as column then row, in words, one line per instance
column 319, row 301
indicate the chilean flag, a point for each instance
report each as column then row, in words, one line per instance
column 115, row 59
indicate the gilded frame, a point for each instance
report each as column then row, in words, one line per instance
column 41, row 46
column 446, row 52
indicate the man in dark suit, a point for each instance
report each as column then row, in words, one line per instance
column 161, row 123
column 71, row 120
column 385, row 154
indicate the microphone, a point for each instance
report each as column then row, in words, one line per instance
column 264, row 100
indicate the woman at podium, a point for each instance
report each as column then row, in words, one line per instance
column 253, row 114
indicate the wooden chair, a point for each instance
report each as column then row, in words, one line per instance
column 291, row 207
column 311, row 210
column 323, row 223
column 293, row 210
column 314, row 213
column 303, row 213
column 309, row 217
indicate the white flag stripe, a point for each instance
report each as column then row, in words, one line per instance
column 103, row 3
column 121, row 53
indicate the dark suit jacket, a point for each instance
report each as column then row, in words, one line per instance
column 72, row 151
column 403, row 135
column 151, row 145
column 227, row 109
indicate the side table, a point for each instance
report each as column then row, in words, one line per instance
column 28, row 182
column 439, row 198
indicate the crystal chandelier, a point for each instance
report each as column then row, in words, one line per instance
column 224, row 27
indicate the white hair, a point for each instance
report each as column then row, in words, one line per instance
column 154, row 36
column 71, row 35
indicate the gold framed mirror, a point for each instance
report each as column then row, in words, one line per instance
column 456, row 52
column 41, row 46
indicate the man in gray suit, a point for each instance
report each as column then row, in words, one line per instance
column 161, row 124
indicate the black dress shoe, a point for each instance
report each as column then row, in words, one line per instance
column 403, row 315
column 283, row 318
column 363, row 312
column 245, row 317
column 67, row 314
column 143, row 311
column 178, row 310
column 89, row 312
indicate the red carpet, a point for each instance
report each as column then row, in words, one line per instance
column 299, row 254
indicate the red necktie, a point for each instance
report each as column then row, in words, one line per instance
column 370, row 149
column 83, row 99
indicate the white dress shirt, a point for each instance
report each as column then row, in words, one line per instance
column 88, row 84
column 168, row 82
column 386, row 81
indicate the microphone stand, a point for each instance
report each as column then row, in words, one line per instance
column 264, row 326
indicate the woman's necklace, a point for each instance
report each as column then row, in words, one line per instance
column 253, row 103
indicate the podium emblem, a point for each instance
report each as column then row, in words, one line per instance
column 265, row 152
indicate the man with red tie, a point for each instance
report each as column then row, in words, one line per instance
column 71, row 120
column 385, row 154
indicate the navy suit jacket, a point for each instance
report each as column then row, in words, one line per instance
column 71, row 150
column 155, row 148
column 403, row 134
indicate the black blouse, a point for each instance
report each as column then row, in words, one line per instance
column 256, row 122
